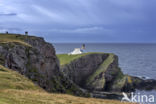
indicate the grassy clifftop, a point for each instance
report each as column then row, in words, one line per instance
column 98, row 71
column 66, row 59
column 13, row 38
column 16, row 89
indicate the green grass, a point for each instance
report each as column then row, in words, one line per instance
column 102, row 68
column 12, row 80
column 16, row 89
column 13, row 38
column 66, row 59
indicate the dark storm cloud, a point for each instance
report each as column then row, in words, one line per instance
column 8, row 14
column 91, row 20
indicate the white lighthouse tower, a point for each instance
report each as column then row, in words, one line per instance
column 78, row 50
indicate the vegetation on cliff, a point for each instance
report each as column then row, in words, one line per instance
column 66, row 59
column 102, row 68
column 37, row 61
column 79, row 74
column 13, row 38
column 17, row 89
column 98, row 71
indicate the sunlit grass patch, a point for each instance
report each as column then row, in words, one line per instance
column 13, row 38
column 29, row 93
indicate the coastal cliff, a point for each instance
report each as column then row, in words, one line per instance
column 88, row 75
column 17, row 89
column 99, row 73
column 95, row 71
column 33, row 57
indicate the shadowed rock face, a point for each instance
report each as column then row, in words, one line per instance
column 143, row 84
column 90, row 73
column 96, row 72
column 79, row 70
column 39, row 63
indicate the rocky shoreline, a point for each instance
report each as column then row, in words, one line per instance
column 91, row 75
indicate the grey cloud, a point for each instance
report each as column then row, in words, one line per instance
column 10, row 29
column 116, row 18
column 8, row 14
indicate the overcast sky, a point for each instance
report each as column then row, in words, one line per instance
column 81, row 20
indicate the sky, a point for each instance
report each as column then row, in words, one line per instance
column 101, row 21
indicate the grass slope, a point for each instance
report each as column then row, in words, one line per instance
column 12, row 80
column 102, row 68
column 13, row 38
column 66, row 59
column 16, row 89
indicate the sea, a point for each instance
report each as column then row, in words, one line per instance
column 136, row 59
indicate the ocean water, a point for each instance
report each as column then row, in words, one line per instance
column 134, row 59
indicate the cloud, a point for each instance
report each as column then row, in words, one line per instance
column 116, row 18
column 8, row 14
column 45, row 12
column 87, row 29
column 91, row 29
column 10, row 30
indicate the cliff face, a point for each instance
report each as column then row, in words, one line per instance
column 36, row 59
column 95, row 72
column 39, row 64
column 99, row 73
column 79, row 70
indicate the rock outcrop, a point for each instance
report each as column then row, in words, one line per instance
column 89, row 74
column 36, row 59
column 100, row 74
column 79, row 70
column 96, row 72
column 143, row 84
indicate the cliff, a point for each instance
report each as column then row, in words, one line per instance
column 33, row 57
column 94, row 71
column 100, row 74
column 17, row 89
column 88, row 74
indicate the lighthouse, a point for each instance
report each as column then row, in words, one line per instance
column 78, row 50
